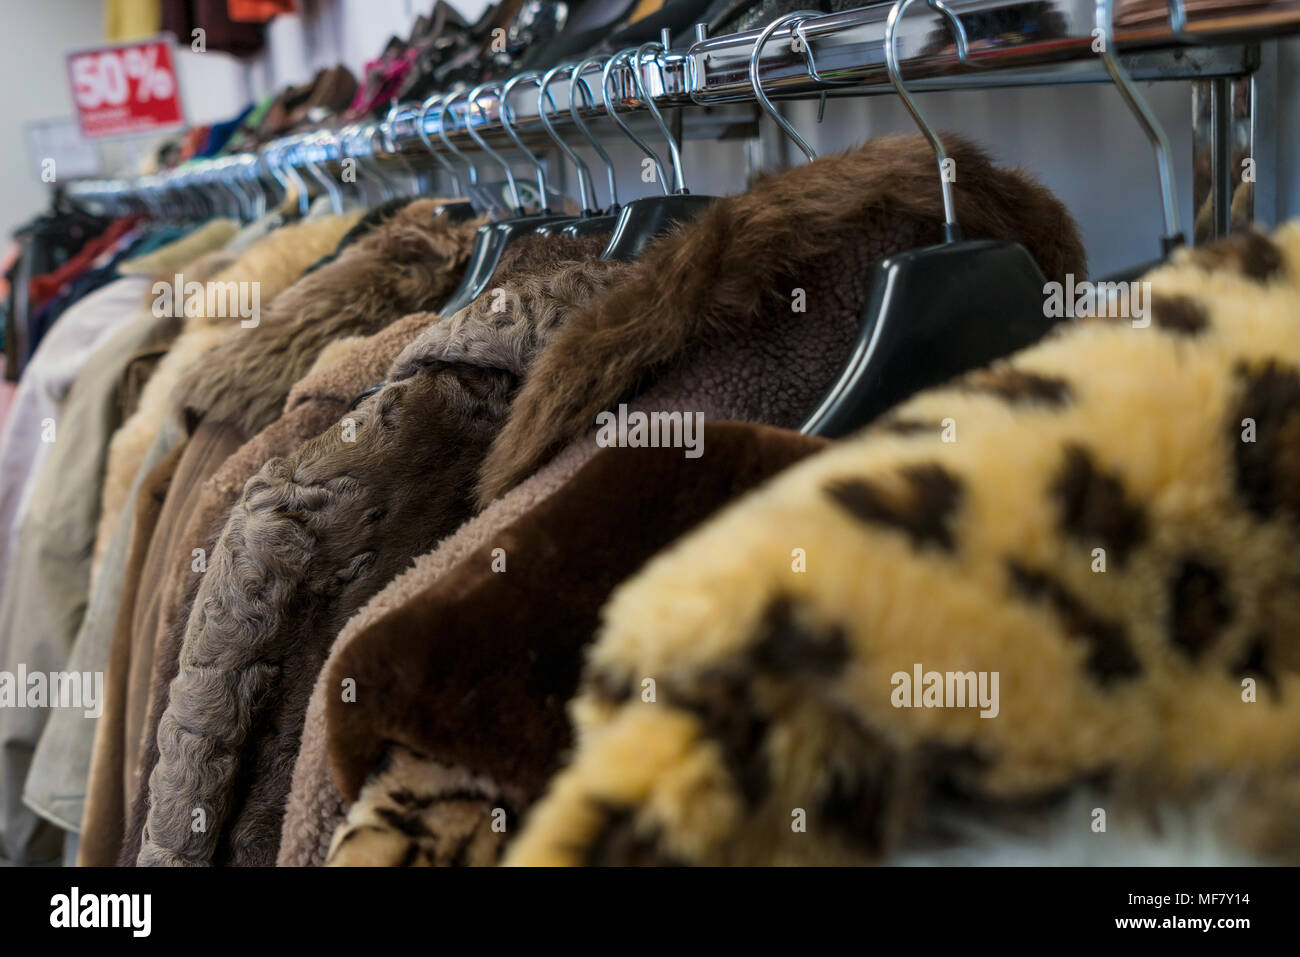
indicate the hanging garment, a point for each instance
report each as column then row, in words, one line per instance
column 30, row 435
column 814, row 229
column 1113, row 534
column 46, row 596
column 396, row 260
column 220, row 32
column 42, row 288
column 131, row 19
column 273, row 264
column 231, row 392
column 259, row 11
column 78, row 725
column 47, row 242
column 705, row 322
column 381, row 487
column 161, row 263
column 488, row 658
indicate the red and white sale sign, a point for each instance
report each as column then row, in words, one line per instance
column 126, row 89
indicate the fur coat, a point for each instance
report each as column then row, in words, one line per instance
column 315, row 535
column 398, row 259
column 703, row 322
column 274, row 263
column 1111, row 531
column 490, row 648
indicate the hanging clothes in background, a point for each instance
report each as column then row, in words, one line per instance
column 29, row 437
column 732, row 346
column 259, row 11
column 131, row 19
column 221, row 32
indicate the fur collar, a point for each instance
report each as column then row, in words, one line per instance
column 719, row 275
column 409, row 262
column 543, row 283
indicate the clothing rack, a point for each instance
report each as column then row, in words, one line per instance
column 1008, row 43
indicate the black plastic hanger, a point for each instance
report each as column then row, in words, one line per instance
column 592, row 220
column 553, row 221
column 606, row 221
column 1173, row 236
column 644, row 220
column 492, row 240
column 458, row 210
column 930, row 313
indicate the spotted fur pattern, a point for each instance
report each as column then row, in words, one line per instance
column 1114, row 529
column 417, row 812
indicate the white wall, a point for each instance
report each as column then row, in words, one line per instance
column 34, row 36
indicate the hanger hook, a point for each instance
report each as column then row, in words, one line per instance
column 506, row 113
column 1137, row 104
column 473, row 104
column 347, row 144
column 423, row 133
column 786, row 126
column 326, row 181
column 393, row 148
column 577, row 82
column 586, row 191
column 622, row 124
column 277, row 174
column 290, row 171
column 952, row 232
column 443, row 109
column 385, row 184
column 679, row 181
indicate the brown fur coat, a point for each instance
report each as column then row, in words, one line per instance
column 731, row 277
column 313, row 536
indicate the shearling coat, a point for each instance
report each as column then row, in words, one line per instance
column 397, row 259
column 477, row 670
column 700, row 324
column 313, row 536
column 1113, row 534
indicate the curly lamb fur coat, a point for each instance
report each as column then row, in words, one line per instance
column 315, row 535
column 703, row 322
